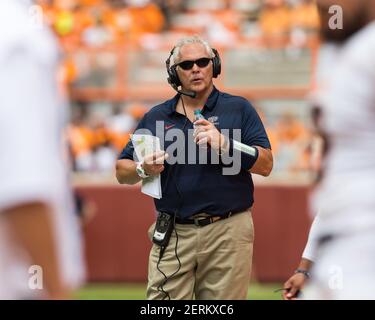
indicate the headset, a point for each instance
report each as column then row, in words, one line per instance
column 174, row 80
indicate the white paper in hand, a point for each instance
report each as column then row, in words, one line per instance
column 145, row 145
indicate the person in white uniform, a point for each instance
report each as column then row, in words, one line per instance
column 40, row 247
column 344, row 265
column 293, row 287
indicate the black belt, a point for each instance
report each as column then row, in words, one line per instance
column 204, row 221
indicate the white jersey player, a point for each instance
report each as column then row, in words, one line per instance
column 345, row 259
column 40, row 250
column 326, row 62
column 342, row 238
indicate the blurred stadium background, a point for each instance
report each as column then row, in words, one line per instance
column 114, row 71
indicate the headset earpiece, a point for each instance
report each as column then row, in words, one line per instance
column 173, row 79
column 216, row 63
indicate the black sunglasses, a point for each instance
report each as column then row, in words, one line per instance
column 188, row 64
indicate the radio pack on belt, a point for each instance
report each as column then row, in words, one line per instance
column 163, row 229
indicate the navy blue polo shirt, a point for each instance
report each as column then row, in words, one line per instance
column 188, row 188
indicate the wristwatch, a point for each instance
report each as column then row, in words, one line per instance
column 304, row 272
column 140, row 171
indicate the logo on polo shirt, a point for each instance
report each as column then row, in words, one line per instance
column 214, row 120
column 168, row 126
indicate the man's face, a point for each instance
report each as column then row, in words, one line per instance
column 197, row 78
column 355, row 17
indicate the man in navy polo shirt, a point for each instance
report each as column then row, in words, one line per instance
column 206, row 187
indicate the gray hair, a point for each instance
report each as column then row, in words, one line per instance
column 190, row 40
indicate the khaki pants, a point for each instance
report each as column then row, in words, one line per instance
column 215, row 261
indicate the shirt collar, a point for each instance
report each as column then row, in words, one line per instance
column 210, row 103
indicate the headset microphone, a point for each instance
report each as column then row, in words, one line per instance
column 191, row 94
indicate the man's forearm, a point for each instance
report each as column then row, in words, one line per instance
column 31, row 227
column 305, row 264
column 126, row 172
column 263, row 165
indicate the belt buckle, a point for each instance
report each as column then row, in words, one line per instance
column 206, row 221
column 196, row 221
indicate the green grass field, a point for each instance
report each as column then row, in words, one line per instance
column 138, row 292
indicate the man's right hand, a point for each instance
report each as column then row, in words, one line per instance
column 153, row 164
column 293, row 285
